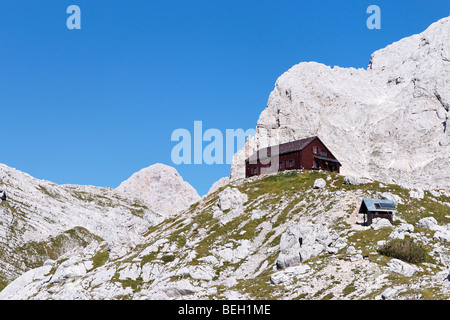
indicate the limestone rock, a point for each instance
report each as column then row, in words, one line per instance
column 378, row 223
column 402, row 230
column 388, row 122
column 219, row 184
column 162, row 188
column 231, row 198
column 354, row 180
column 401, row 267
column 302, row 241
column 393, row 197
column 416, row 193
column 442, row 235
column 319, row 183
column 428, row 223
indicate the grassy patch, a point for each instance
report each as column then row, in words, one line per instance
column 366, row 240
column 406, row 250
column 168, row 258
column 33, row 254
column 349, row 289
column 100, row 258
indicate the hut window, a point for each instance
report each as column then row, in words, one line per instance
column 291, row 163
column 323, row 154
column 255, row 170
column 281, row 165
column 316, row 150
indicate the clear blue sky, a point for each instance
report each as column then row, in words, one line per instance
column 93, row 106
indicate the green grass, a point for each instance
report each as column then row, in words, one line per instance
column 100, row 258
column 33, row 254
column 406, row 250
column 168, row 258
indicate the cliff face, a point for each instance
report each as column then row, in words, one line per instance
column 387, row 122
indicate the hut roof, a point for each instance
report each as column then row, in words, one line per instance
column 281, row 148
column 380, row 205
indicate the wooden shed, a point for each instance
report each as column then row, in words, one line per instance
column 309, row 154
column 377, row 208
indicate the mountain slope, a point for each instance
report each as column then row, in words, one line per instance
column 40, row 220
column 388, row 122
column 231, row 244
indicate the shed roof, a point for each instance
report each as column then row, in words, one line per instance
column 380, row 205
column 282, row 148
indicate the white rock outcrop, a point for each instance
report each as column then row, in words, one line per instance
column 302, row 241
column 319, row 183
column 379, row 223
column 162, row 188
column 401, row 267
column 231, row 198
column 218, row 184
column 389, row 122
column 428, row 223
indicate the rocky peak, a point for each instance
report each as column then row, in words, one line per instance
column 387, row 122
column 162, row 188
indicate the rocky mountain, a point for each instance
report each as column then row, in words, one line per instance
column 388, row 122
column 279, row 236
column 290, row 235
column 162, row 189
column 41, row 220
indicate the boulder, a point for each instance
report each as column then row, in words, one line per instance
column 319, row 183
column 378, row 223
column 278, row 278
column 353, row 180
column 388, row 293
column 302, row 241
column 179, row 289
column 398, row 266
column 231, row 198
column 416, row 193
column 428, row 223
column 442, row 235
column 401, row 231
column 393, row 197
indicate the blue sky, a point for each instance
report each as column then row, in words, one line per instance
column 93, row 106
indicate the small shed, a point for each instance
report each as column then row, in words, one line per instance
column 377, row 208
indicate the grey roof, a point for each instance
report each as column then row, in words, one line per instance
column 282, row 148
column 380, row 205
